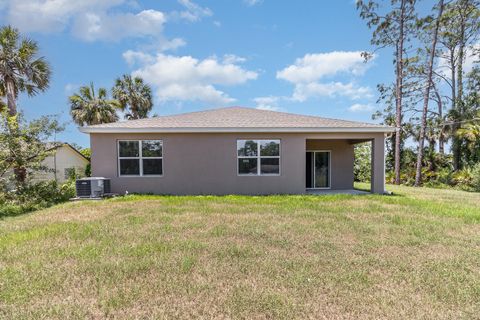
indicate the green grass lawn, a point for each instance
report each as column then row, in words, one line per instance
column 415, row 254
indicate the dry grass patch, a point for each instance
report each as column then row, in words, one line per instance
column 413, row 255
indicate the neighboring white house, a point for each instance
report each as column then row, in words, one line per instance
column 64, row 160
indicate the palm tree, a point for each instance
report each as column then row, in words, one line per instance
column 20, row 68
column 134, row 94
column 88, row 108
column 471, row 132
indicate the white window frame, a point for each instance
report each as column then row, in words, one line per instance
column 140, row 158
column 259, row 157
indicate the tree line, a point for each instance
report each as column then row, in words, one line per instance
column 433, row 102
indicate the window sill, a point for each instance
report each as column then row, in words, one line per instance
column 259, row 175
column 138, row 176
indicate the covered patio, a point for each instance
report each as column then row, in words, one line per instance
column 329, row 163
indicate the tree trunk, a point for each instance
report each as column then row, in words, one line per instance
column 453, row 69
column 441, row 143
column 11, row 104
column 14, row 145
column 19, row 172
column 461, row 57
column 457, row 142
column 454, row 127
column 441, row 136
column 431, row 146
column 426, row 97
column 20, row 175
column 398, row 93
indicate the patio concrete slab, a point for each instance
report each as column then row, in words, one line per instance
column 349, row 191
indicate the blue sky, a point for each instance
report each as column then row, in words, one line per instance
column 294, row 56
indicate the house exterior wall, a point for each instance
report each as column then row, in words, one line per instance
column 206, row 163
column 63, row 158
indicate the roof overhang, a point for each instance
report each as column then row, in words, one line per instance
column 240, row 130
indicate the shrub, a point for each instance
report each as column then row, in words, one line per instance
column 462, row 179
column 88, row 170
column 362, row 166
column 35, row 196
column 476, row 177
column 467, row 179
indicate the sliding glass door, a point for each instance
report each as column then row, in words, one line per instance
column 318, row 170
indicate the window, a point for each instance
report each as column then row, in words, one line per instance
column 258, row 157
column 140, row 158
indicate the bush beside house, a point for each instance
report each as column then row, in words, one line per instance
column 35, row 196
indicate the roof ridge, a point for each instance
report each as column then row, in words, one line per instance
column 312, row 116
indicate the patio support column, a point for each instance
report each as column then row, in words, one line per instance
column 378, row 165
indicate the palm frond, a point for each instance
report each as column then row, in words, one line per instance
column 102, row 93
column 89, row 107
column 27, row 50
column 9, row 37
column 86, row 93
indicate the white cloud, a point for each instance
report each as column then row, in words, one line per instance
column 357, row 107
column 173, row 44
column 471, row 58
column 113, row 27
column 266, row 100
column 269, row 103
column 313, row 67
column 304, row 91
column 252, row 3
column 50, row 15
column 91, row 20
column 269, row 108
column 137, row 57
column 231, row 58
column 193, row 12
column 309, row 72
column 70, row 88
column 217, row 23
column 184, row 78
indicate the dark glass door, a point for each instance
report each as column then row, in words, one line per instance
column 318, row 169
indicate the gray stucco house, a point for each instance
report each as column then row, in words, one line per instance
column 233, row 150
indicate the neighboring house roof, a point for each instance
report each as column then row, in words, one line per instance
column 236, row 119
column 56, row 145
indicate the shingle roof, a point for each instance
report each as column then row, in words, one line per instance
column 233, row 119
